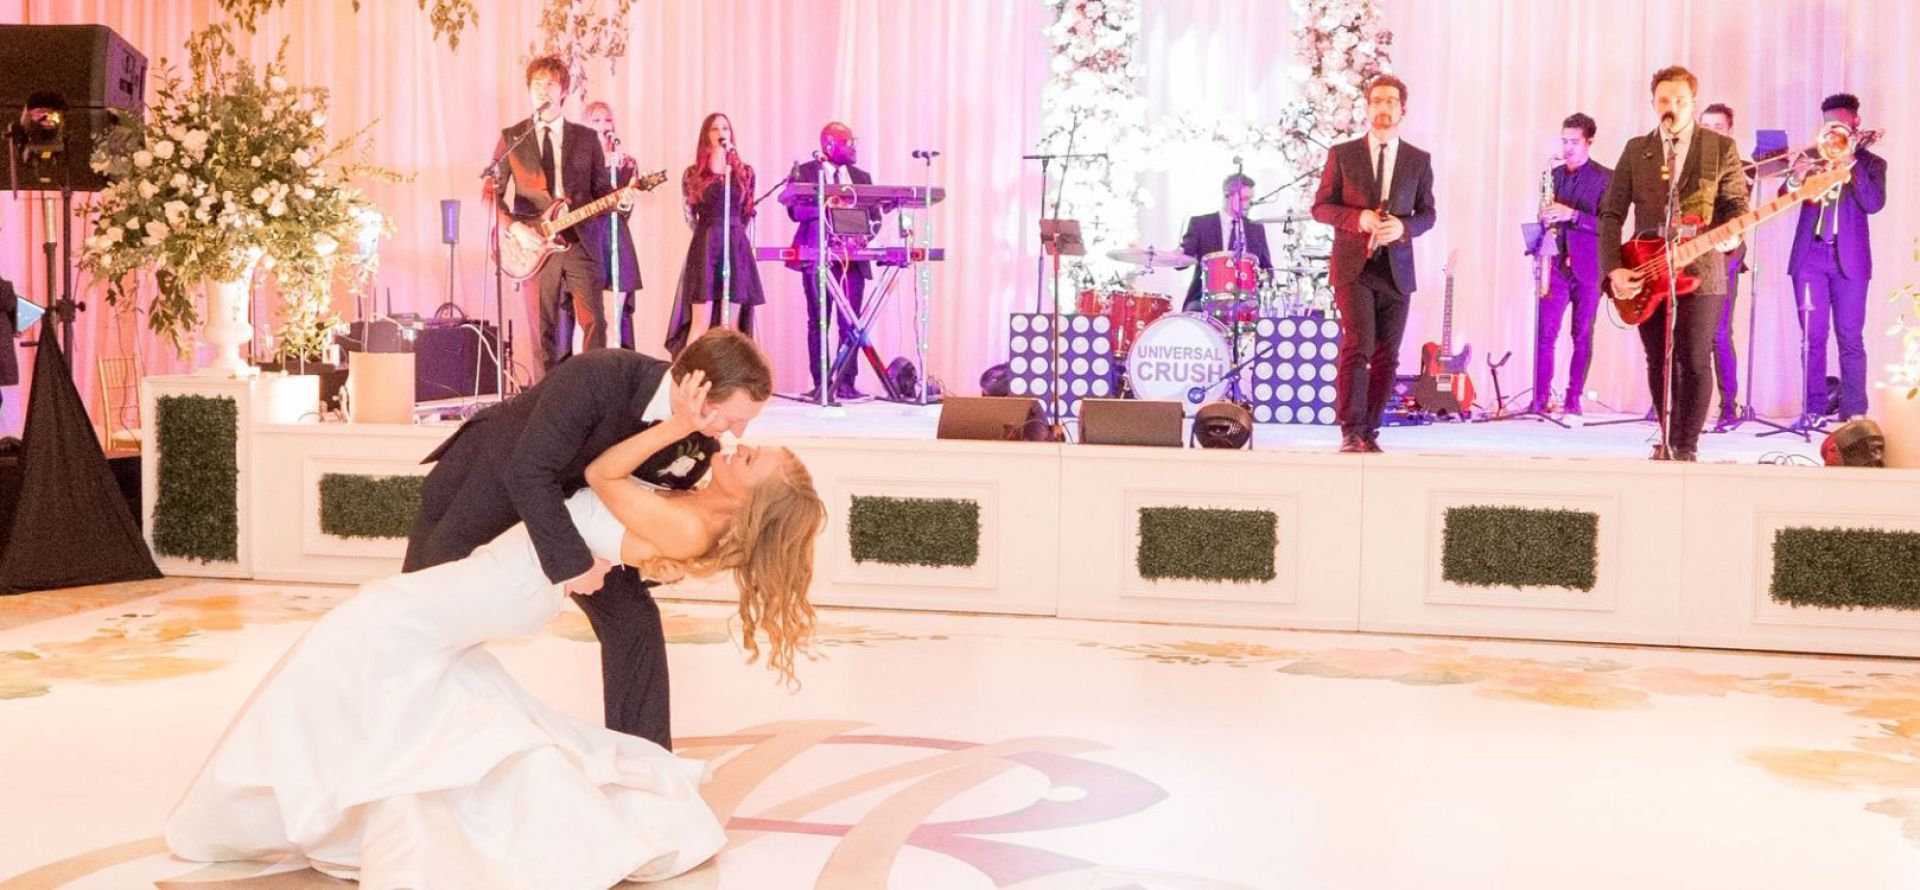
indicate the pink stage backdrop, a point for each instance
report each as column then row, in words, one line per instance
column 1490, row 82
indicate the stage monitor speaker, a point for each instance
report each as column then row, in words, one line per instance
column 97, row 76
column 1131, row 422
column 992, row 418
column 456, row 361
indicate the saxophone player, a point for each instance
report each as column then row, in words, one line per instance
column 1570, row 249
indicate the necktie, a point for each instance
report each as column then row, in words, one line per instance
column 546, row 160
column 1380, row 178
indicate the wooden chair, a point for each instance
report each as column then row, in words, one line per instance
column 119, row 400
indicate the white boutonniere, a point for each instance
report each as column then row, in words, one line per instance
column 680, row 467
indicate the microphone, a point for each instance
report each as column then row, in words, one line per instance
column 925, row 154
column 820, row 156
column 615, row 139
column 542, row 109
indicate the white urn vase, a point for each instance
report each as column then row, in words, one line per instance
column 227, row 328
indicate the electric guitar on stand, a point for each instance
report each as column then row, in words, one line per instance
column 521, row 262
column 1443, row 387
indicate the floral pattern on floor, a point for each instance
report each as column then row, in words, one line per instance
column 1884, row 760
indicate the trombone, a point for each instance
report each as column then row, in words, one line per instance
column 1834, row 143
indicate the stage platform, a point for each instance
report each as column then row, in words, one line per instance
column 1513, row 529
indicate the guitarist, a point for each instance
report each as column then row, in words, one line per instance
column 559, row 159
column 1377, row 193
column 1712, row 189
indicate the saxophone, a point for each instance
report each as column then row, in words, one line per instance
column 1549, row 247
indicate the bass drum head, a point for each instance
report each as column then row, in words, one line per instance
column 1176, row 354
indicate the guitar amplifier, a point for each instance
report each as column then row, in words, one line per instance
column 456, row 360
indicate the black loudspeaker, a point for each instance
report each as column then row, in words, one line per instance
column 381, row 334
column 456, row 361
column 94, row 74
column 989, row 417
column 1131, row 422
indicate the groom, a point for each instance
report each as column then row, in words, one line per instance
column 520, row 459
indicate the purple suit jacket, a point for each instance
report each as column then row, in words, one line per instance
column 1846, row 219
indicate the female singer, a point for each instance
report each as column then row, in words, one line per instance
column 615, row 233
column 704, row 186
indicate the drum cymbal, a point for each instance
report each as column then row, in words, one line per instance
column 1281, row 218
column 1152, row 258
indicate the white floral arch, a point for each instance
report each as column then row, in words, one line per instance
column 1093, row 97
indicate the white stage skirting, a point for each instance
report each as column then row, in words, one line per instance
column 1684, row 552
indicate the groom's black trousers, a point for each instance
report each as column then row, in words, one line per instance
column 633, row 656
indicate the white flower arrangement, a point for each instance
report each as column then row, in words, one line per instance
column 1094, row 93
column 226, row 172
column 1904, row 374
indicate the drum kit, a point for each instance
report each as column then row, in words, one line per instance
column 1187, row 355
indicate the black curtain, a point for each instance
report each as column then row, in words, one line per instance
column 72, row 527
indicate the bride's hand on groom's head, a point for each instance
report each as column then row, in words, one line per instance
column 689, row 403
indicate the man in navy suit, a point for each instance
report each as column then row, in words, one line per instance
column 1573, row 219
column 1377, row 193
column 559, row 159
column 1228, row 229
column 841, row 150
column 1832, row 261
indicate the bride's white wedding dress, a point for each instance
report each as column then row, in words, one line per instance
column 389, row 746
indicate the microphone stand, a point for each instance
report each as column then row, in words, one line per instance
column 1671, row 232
column 726, row 237
column 1051, row 243
column 827, row 406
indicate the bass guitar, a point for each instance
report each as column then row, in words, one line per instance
column 1647, row 255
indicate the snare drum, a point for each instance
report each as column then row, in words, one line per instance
column 1175, row 355
column 1224, row 272
column 1091, row 302
column 1132, row 312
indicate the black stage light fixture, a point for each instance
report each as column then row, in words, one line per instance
column 1223, row 424
column 1856, row 443
column 997, row 380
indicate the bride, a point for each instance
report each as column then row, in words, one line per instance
column 390, row 747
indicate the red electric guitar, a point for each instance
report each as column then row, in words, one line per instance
column 1647, row 254
column 521, row 262
column 1443, row 387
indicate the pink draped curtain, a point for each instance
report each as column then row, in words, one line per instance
column 1490, row 79
column 957, row 76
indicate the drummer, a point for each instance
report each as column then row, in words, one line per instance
column 1227, row 231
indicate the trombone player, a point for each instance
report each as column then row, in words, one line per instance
column 1832, row 261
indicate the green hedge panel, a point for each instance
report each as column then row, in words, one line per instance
column 940, row 532
column 1846, row 568
column 1207, row 544
column 355, row 506
column 1520, row 547
column 196, row 505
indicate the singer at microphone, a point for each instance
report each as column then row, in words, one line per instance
column 836, row 163
column 547, row 159
column 1712, row 185
column 620, row 262
column 720, row 266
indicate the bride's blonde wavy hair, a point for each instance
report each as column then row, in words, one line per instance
column 769, row 547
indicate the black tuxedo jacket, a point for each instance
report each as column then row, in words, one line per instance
column 583, row 169
column 807, row 215
column 520, row 459
column 1204, row 236
column 1346, row 189
column 1712, row 186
